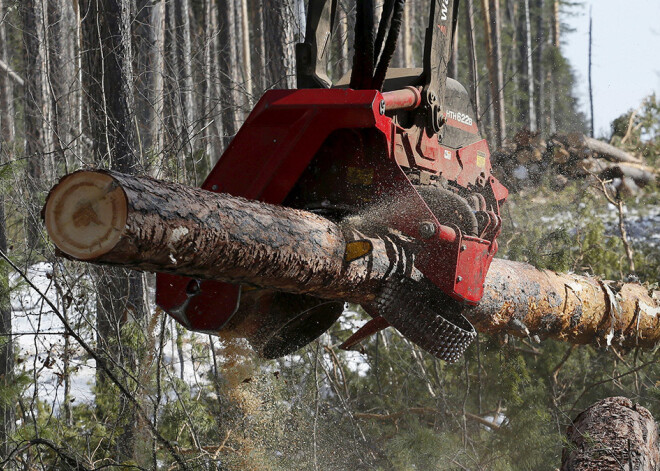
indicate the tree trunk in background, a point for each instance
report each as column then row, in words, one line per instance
column 62, row 79
column 612, row 435
column 7, row 420
column 34, row 111
column 278, row 35
column 555, row 50
column 531, row 112
column 150, row 50
column 342, row 19
column 247, row 55
column 110, row 105
column 7, row 416
column 187, row 102
column 228, row 68
column 173, row 76
column 255, row 7
column 497, row 81
column 541, row 39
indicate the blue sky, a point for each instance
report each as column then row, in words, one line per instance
column 626, row 55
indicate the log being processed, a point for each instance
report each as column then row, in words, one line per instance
column 109, row 218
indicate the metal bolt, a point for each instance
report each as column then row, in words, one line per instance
column 381, row 107
column 459, row 279
column 214, row 187
column 427, row 229
column 463, row 248
column 432, row 97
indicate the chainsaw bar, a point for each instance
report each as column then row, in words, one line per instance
column 426, row 317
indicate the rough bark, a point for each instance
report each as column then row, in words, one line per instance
column 278, row 36
column 246, row 53
column 228, row 68
column 541, row 39
column 34, row 112
column 613, row 434
column 7, row 420
column 531, row 110
column 176, row 229
column 109, row 86
column 188, row 104
column 491, row 18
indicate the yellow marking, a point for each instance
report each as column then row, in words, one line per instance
column 481, row 159
column 357, row 249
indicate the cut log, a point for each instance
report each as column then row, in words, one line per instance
column 106, row 217
column 613, row 434
column 609, row 152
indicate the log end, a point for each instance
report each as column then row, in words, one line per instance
column 85, row 214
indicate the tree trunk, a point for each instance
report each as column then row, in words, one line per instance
column 247, row 54
column 61, row 74
column 278, row 34
column 159, row 226
column 258, row 45
column 187, row 102
column 34, row 111
column 228, row 68
column 541, row 39
column 7, row 420
column 109, row 91
column 531, row 111
column 491, row 12
column 613, row 434
column 150, row 51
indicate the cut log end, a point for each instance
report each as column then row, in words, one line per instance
column 85, row 214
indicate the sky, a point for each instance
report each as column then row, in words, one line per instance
column 625, row 55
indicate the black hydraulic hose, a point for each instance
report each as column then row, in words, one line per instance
column 363, row 56
column 390, row 45
column 383, row 25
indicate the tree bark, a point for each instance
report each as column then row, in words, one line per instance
column 109, row 87
column 34, row 111
column 541, row 39
column 7, row 420
column 531, row 110
column 228, row 68
column 491, row 12
column 278, row 34
column 188, row 104
column 146, row 224
column 613, row 434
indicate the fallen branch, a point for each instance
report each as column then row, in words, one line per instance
column 137, row 222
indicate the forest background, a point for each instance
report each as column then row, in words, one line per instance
column 160, row 87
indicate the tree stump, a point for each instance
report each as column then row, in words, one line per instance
column 613, row 434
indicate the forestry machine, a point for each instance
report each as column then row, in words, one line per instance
column 397, row 149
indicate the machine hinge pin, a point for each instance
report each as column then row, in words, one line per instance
column 463, row 248
column 459, row 279
column 427, row 229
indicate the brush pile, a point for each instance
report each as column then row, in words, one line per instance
column 525, row 159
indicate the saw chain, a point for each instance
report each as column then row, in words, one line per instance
column 426, row 317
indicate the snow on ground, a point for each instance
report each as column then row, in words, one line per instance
column 40, row 341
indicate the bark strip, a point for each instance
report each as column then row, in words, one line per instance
column 172, row 228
